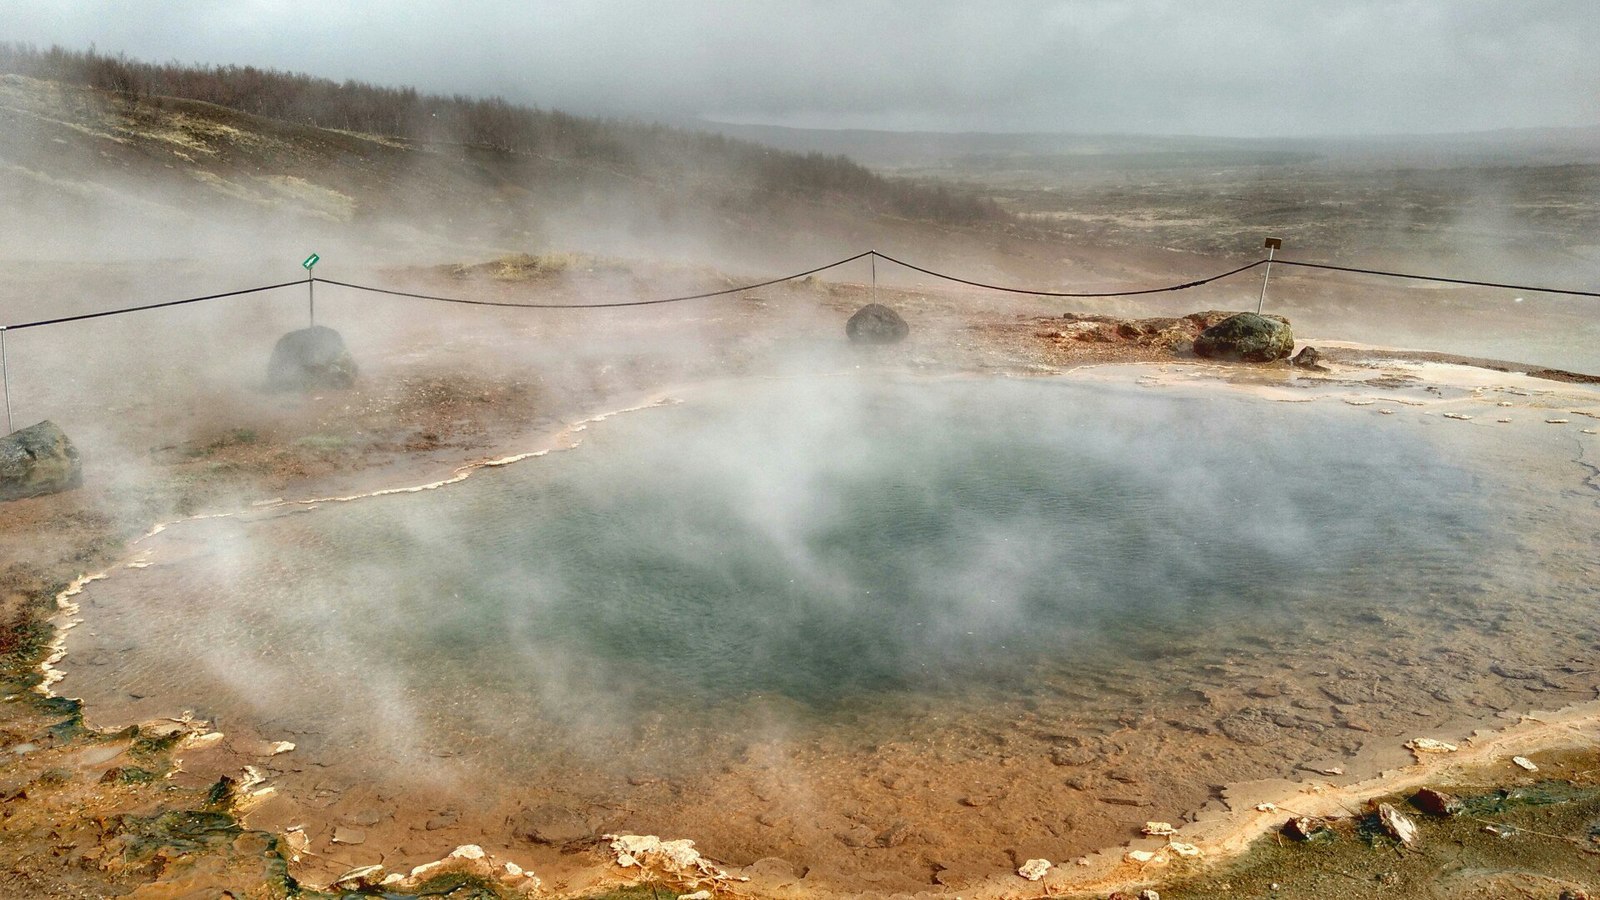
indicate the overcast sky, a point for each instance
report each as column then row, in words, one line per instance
column 1234, row 67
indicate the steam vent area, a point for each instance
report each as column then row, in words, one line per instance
column 894, row 603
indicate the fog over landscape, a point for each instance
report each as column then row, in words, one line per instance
column 1219, row 67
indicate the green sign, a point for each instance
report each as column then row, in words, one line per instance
column 310, row 261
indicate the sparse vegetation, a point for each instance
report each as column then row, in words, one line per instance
column 526, row 266
column 327, row 443
column 496, row 125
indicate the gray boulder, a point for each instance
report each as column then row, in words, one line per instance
column 38, row 460
column 876, row 324
column 1247, row 337
column 310, row 359
column 1309, row 358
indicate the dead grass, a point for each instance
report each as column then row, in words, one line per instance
column 520, row 267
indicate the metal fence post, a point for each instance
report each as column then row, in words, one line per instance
column 1272, row 246
column 311, row 286
column 5, row 376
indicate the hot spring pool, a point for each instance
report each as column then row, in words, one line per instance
column 855, row 623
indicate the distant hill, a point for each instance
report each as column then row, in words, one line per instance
column 1502, row 205
column 91, row 138
column 919, row 151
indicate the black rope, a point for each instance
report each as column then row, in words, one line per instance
column 129, row 309
column 761, row 284
column 1439, row 278
column 1015, row 290
column 613, row 305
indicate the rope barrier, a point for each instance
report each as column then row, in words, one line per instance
column 614, row 305
column 1440, row 278
column 132, row 309
column 872, row 254
column 1013, row 290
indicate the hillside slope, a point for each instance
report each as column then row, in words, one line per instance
column 85, row 171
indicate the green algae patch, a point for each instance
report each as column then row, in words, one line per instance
column 186, row 831
column 149, row 748
column 457, row 886
column 1524, row 837
column 128, row 775
column 638, row 892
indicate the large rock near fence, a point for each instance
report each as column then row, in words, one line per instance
column 38, row 460
column 310, row 359
column 876, row 324
column 1247, row 337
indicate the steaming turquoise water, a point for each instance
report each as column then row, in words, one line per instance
column 820, row 541
column 782, row 609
